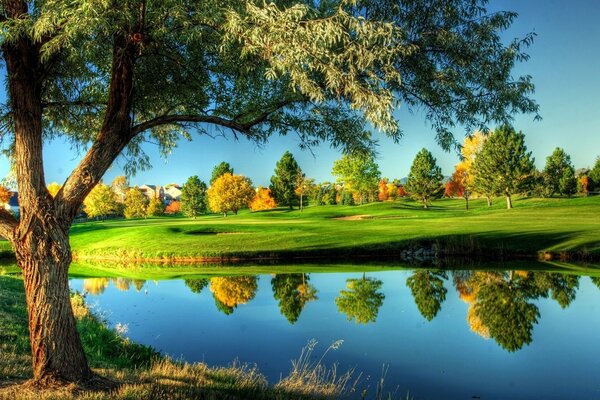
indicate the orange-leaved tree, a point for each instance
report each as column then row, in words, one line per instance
column 263, row 200
column 173, row 208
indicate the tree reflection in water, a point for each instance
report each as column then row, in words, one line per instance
column 292, row 291
column 361, row 302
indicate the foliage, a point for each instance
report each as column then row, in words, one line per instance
column 292, row 291
column 220, row 169
column 100, row 202
column 173, row 208
column 120, row 185
column 383, row 193
column 457, row 186
column 233, row 291
column 156, row 207
column 53, row 188
column 196, row 285
column 559, row 174
column 594, row 176
column 135, row 203
column 230, row 193
column 428, row 290
column 5, row 195
column 193, row 197
column 262, row 200
column 362, row 300
column 358, row 173
column 285, row 181
column 425, row 178
column 503, row 165
column 583, row 184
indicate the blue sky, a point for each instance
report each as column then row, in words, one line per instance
column 565, row 65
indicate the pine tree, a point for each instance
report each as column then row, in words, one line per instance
column 425, row 178
column 559, row 174
column 504, row 165
column 284, row 182
column 193, row 197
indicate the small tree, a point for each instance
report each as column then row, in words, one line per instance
column 135, row 204
column 230, row 193
column 100, row 202
column 358, row 173
column 120, row 185
column 193, row 197
column 285, row 181
column 383, row 194
column 504, row 165
column 262, row 200
column 173, row 208
column 220, row 169
column 156, row 207
column 425, row 178
column 559, row 174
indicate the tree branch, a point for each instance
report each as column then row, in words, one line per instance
column 8, row 224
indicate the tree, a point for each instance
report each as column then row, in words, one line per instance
column 362, row 300
column 193, row 197
column 156, row 208
column 197, row 285
column 304, row 186
column 504, row 165
column 559, row 174
column 383, row 194
column 262, row 200
column 53, row 189
column 135, row 203
column 111, row 75
column 428, row 289
column 359, row 174
column 229, row 292
column 583, row 184
column 101, row 201
column 594, row 176
column 285, row 181
column 120, row 185
column 220, row 169
column 462, row 181
column 425, row 178
column 457, row 185
column 230, row 193
column 292, row 291
column 173, row 208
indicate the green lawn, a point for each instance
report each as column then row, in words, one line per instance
column 534, row 225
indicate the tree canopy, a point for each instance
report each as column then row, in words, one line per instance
column 285, row 180
column 359, row 173
column 362, row 300
column 194, row 197
column 221, row 168
column 425, row 178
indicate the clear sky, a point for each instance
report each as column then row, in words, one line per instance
column 565, row 65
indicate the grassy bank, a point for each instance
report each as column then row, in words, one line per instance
column 141, row 372
column 533, row 226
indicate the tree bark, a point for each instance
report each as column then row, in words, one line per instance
column 508, row 202
column 489, row 201
column 57, row 352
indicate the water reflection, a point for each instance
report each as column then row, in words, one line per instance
column 501, row 304
column 292, row 291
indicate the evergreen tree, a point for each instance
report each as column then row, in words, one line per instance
column 559, row 174
column 220, row 169
column 425, row 178
column 284, row 182
column 193, row 197
column 504, row 165
column 594, row 177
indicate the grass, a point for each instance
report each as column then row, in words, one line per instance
column 534, row 225
column 143, row 373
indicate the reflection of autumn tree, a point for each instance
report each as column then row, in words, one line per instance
column 229, row 292
column 122, row 284
column 196, row 285
column 293, row 292
column 362, row 300
column 139, row 284
column 428, row 289
column 95, row 285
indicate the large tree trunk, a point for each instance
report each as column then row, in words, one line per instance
column 57, row 353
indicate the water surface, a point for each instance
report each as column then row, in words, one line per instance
column 440, row 334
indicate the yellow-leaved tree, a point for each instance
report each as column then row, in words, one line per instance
column 229, row 292
column 101, row 201
column 461, row 183
column 53, row 188
column 230, row 193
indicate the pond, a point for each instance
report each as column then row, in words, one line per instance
column 458, row 334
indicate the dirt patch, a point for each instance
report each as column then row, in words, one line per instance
column 354, row 217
